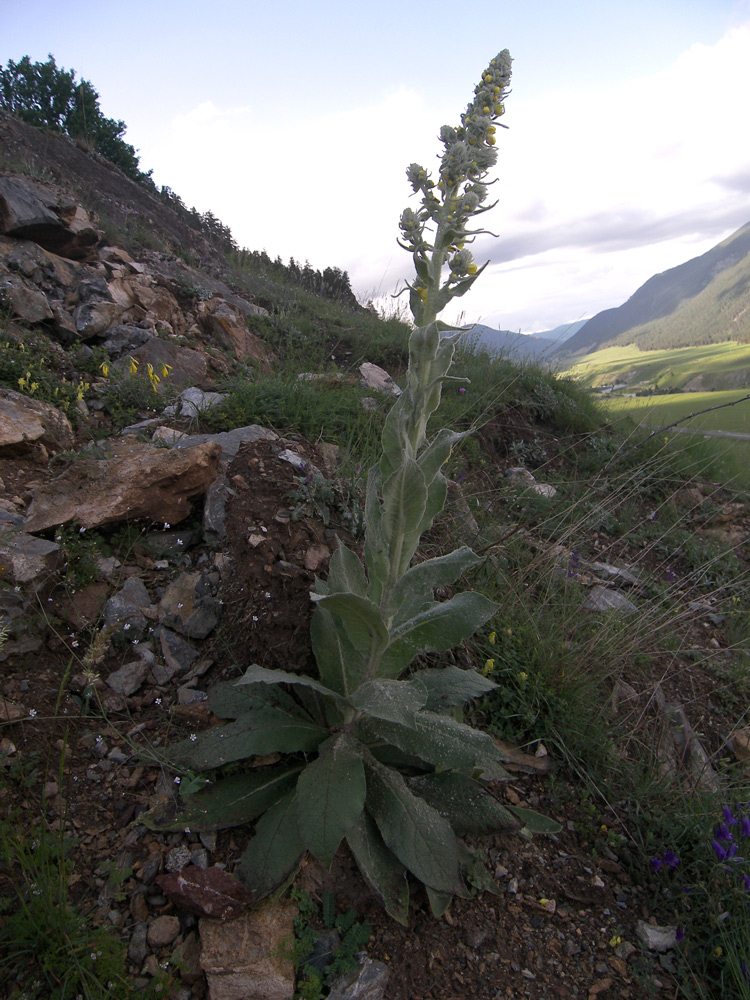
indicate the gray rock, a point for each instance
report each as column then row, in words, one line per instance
column 28, row 561
column 215, row 508
column 229, row 441
column 124, row 339
column 128, row 678
column 188, row 606
column 618, row 575
column 367, row 983
column 177, row 652
column 126, row 608
column 138, row 947
column 656, row 938
column 604, row 599
column 163, row 930
column 178, row 858
column 192, row 402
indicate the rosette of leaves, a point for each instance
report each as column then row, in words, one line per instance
column 374, row 756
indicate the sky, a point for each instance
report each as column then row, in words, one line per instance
column 626, row 151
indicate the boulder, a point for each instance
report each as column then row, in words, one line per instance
column 247, row 958
column 145, row 482
column 228, row 326
column 24, row 300
column 27, row 560
column 374, row 377
column 188, row 367
column 25, row 422
column 188, row 606
column 32, row 211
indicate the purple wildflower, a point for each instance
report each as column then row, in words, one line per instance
column 721, row 851
column 656, row 863
column 671, row 859
column 746, row 880
column 745, row 826
column 728, row 816
column 679, row 934
column 722, row 832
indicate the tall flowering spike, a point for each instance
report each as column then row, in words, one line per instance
column 436, row 234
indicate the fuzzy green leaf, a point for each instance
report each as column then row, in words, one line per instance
column 413, row 593
column 404, row 500
column 376, row 551
column 438, row 740
column 229, row 802
column 261, row 675
column 229, row 701
column 262, row 731
column 380, row 867
column 448, row 687
column 346, row 573
column 535, row 822
column 434, row 456
column 330, row 796
column 439, row 901
column 416, row 833
column 274, row 851
column 467, row 806
column 397, row 701
column 341, row 666
column 442, row 626
column 364, row 623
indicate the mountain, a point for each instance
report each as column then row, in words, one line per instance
column 705, row 300
column 518, row 345
column 561, row 333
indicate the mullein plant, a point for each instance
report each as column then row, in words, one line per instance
column 374, row 754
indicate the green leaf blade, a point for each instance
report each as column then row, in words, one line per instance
column 330, row 797
column 380, row 868
column 418, row 835
column 274, row 851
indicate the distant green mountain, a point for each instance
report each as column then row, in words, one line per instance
column 703, row 301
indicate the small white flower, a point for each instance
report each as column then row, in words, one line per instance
column 74, row 643
column 193, row 737
column 179, row 541
column 157, row 701
column 187, row 829
column 166, row 524
column 177, row 780
column 98, row 739
column 268, row 594
column 179, row 605
column 126, row 626
column 32, row 713
column 255, row 618
column 81, row 531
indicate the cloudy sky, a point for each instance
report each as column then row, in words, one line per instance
column 626, row 151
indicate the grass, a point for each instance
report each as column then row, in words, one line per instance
column 720, row 365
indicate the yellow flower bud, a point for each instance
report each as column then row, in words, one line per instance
column 472, row 268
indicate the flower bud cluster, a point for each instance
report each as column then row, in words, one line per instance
column 436, row 233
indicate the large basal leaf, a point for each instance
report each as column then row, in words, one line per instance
column 330, row 796
column 228, row 802
column 380, row 867
column 274, row 851
column 341, row 666
column 438, row 740
column 535, row 822
column 397, row 701
column 448, row 687
column 364, row 623
column 439, row 901
column 416, row 833
column 261, row 675
column 413, row 593
column 464, row 802
column 440, row 627
column 229, row 701
column 262, row 731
